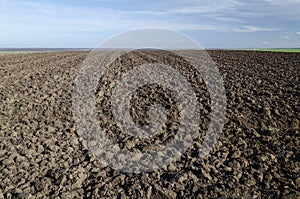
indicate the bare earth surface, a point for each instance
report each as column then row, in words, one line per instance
column 257, row 155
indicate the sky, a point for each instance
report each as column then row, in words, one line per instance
column 212, row 23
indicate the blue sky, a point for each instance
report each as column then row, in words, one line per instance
column 212, row 23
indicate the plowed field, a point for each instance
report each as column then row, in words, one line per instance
column 256, row 156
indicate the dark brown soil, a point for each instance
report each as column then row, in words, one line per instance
column 257, row 155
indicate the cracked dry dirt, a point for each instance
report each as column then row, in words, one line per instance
column 257, row 155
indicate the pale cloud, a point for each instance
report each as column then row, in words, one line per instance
column 47, row 16
column 283, row 2
column 253, row 29
column 233, row 17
